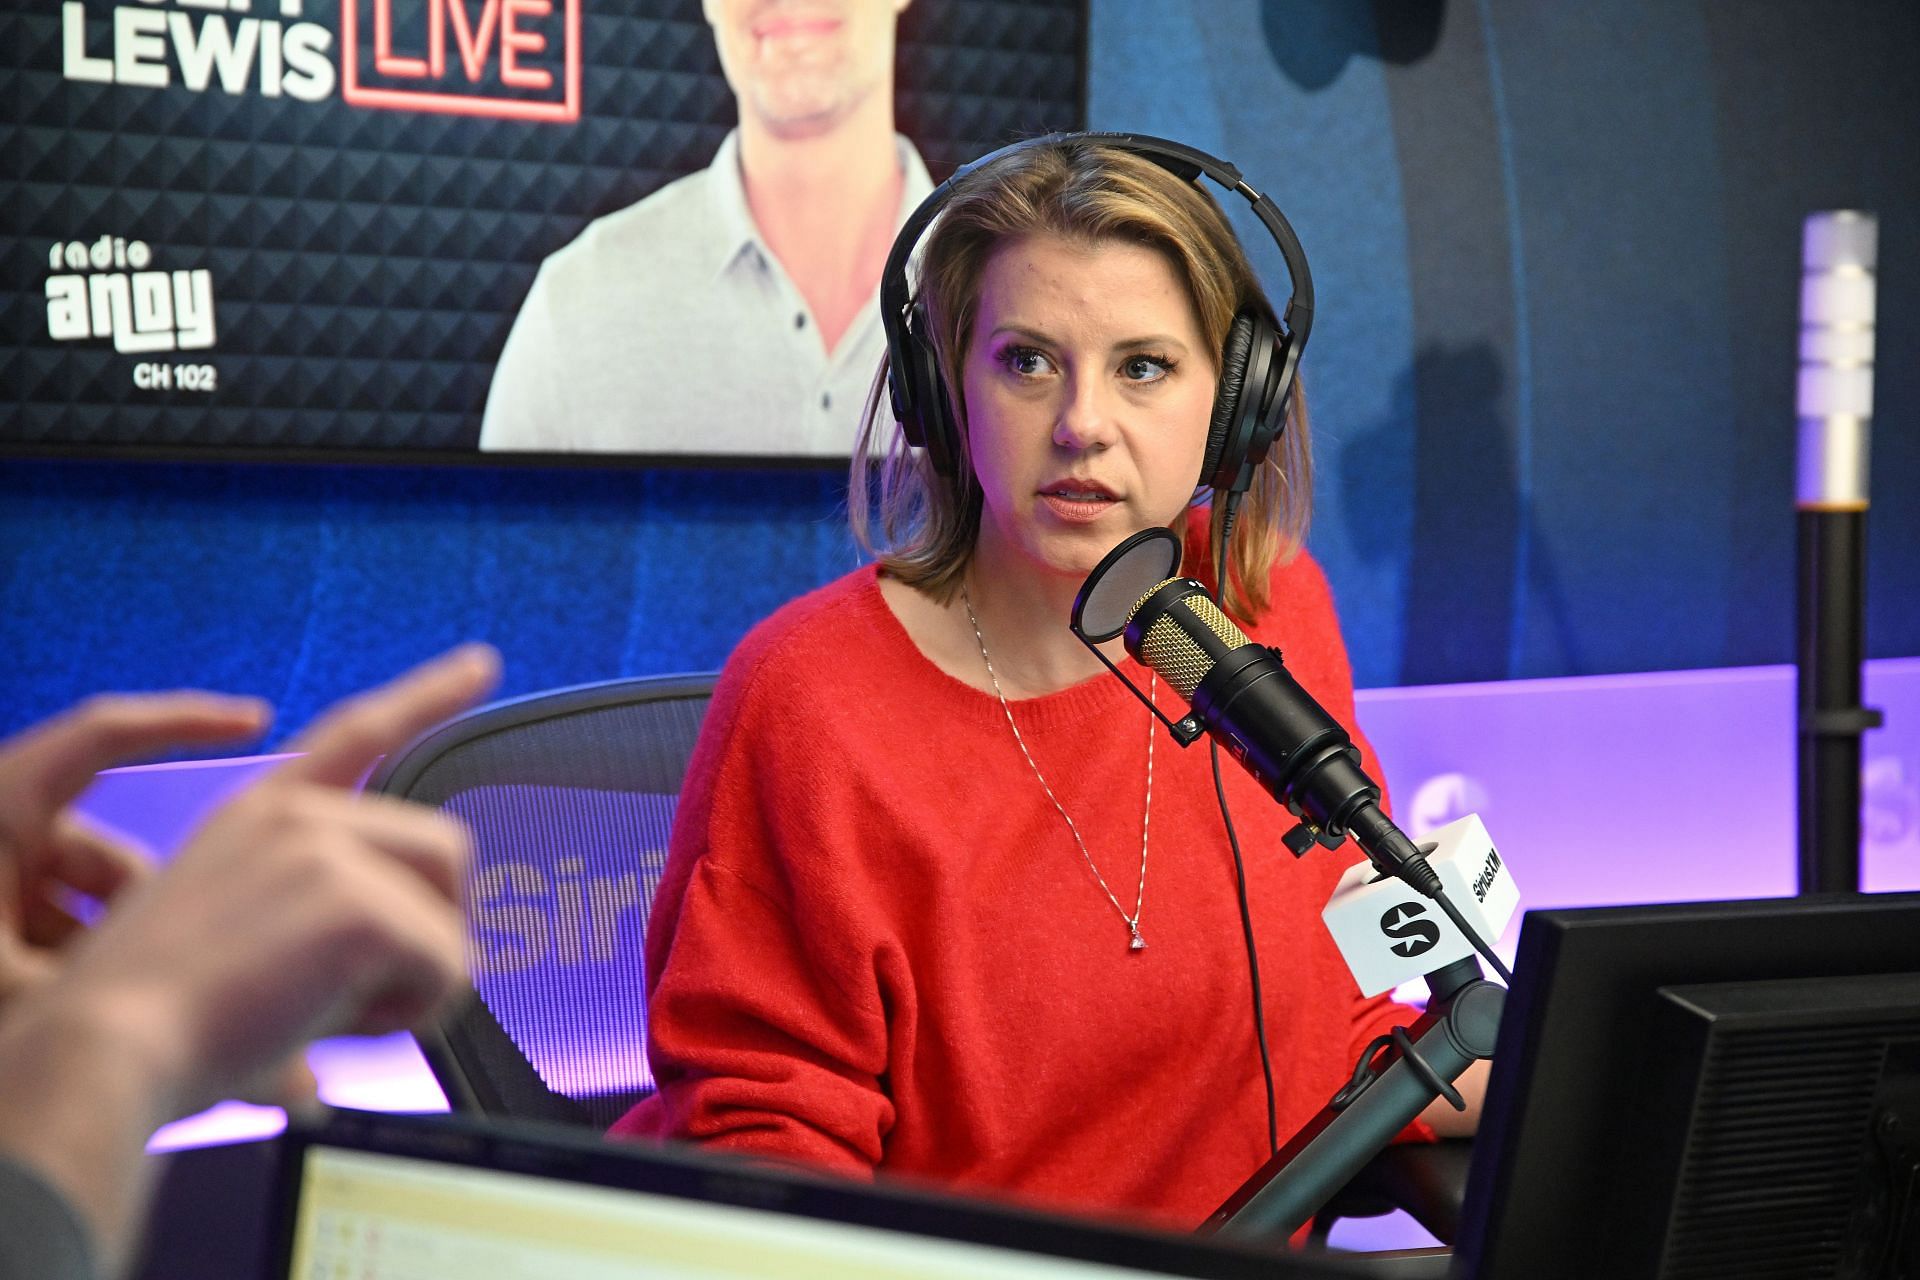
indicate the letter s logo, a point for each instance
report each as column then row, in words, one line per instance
column 1403, row 920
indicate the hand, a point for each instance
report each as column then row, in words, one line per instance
column 48, row 850
column 301, row 909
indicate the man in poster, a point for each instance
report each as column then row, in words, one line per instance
column 732, row 311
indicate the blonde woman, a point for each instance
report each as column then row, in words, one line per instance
column 942, row 900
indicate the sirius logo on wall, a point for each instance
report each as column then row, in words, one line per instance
column 510, row 59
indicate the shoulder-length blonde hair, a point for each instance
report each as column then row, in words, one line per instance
column 922, row 526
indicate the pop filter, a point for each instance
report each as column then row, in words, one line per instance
column 1107, row 599
column 1129, row 571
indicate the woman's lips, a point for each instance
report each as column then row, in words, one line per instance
column 1079, row 509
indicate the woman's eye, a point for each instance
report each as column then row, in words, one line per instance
column 1025, row 361
column 1146, row 368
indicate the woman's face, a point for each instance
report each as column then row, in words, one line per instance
column 1088, row 390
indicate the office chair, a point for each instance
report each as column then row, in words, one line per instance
column 1428, row 1182
column 570, row 796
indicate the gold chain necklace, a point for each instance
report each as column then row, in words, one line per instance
column 1137, row 943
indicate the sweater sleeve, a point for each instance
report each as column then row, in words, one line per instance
column 765, row 1024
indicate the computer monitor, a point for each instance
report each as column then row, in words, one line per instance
column 384, row 1197
column 1704, row 1089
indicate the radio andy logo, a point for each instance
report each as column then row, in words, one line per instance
column 113, row 289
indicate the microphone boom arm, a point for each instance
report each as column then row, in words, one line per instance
column 1390, row 1090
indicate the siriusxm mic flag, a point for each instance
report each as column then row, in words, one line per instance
column 1388, row 934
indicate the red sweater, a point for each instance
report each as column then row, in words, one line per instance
column 876, row 946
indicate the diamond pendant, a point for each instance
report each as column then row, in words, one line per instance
column 1138, row 944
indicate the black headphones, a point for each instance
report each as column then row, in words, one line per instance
column 1256, row 367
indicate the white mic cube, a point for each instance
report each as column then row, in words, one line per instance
column 1388, row 934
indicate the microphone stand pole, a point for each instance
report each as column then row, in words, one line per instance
column 1836, row 407
column 1389, row 1090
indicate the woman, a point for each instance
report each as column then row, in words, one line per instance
column 942, row 899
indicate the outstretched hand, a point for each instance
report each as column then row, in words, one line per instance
column 49, row 852
column 300, row 909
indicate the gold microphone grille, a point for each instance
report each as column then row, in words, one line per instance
column 1168, row 649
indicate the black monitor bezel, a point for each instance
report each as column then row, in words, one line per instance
column 707, row 1177
column 1548, row 1158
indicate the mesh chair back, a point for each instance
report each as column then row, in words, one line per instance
column 570, row 797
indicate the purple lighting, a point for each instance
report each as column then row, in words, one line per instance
column 1604, row 789
column 1665, row 787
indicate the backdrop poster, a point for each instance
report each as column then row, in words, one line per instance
column 308, row 228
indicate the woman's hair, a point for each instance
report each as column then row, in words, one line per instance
column 922, row 526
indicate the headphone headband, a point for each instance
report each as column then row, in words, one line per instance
column 913, row 376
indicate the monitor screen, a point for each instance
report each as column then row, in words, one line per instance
column 1704, row 1089
column 552, row 230
column 402, row 1198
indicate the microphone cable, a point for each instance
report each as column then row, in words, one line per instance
column 1228, row 512
column 1472, row 935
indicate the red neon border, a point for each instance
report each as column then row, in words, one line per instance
column 456, row 104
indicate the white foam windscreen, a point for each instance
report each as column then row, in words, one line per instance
column 1839, row 251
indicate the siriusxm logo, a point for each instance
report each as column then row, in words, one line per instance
column 1488, row 874
column 1407, row 922
column 109, row 290
column 525, row 916
column 1442, row 799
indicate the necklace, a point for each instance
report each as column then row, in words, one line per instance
column 1136, row 943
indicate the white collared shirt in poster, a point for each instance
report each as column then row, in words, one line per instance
column 669, row 327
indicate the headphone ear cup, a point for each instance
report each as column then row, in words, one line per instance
column 1226, row 404
column 1250, row 405
column 925, row 414
column 1271, row 421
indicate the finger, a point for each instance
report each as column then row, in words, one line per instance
column 21, row 969
column 297, row 1087
column 91, row 858
column 418, row 965
column 53, row 762
column 428, row 842
column 290, row 1084
column 80, row 859
column 47, row 920
column 340, row 747
column 411, row 1001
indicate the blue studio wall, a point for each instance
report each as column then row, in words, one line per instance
column 1552, row 375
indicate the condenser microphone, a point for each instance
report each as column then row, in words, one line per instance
column 1244, row 696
